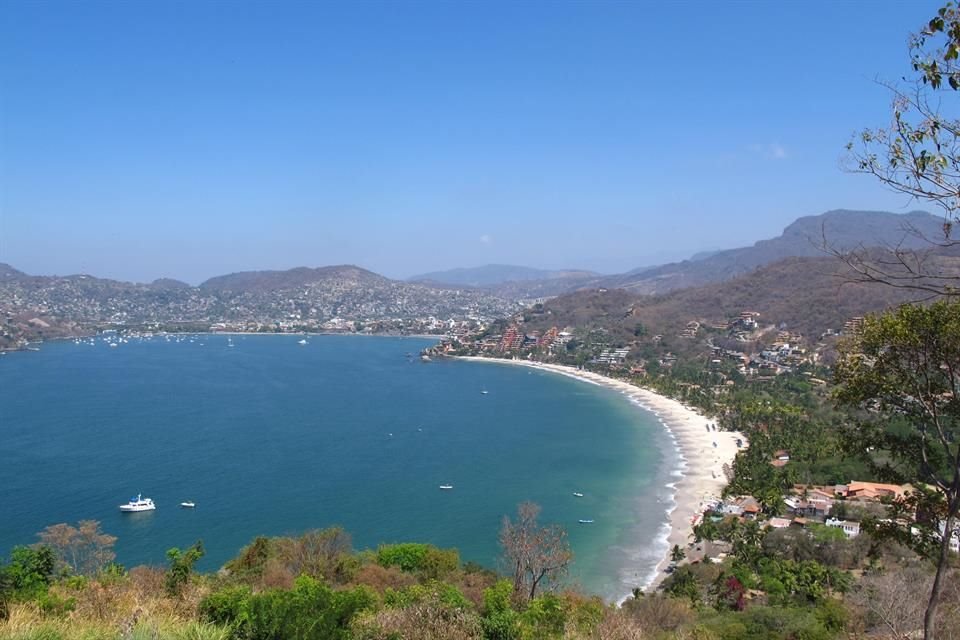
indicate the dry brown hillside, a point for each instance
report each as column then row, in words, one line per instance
column 808, row 295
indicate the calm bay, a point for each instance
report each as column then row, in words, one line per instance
column 273, row 437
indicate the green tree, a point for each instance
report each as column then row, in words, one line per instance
column 677, row 554
column 181, row 567
column 903, row 371
column 27, row 575
column 771, row 501
column 683, row 583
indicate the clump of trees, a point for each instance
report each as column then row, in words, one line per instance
column 902, row 370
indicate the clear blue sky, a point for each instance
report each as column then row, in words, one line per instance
column 191, row 139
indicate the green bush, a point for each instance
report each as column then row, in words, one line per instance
column 309, row 611
column 496, row 599
column 226, row 606
column 422, row 558
column 441, row 592
column 545, row 617
column 502, row 625
column 407, row 556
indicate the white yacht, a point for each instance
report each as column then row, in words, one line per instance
column 188, row 505
column 138, row 504
column 446, row 487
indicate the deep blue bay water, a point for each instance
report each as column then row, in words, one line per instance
column 270, row 437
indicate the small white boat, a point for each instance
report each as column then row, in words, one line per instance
column 585, row 521
column 446, row 487
column 138, row 504
column 484, row 392
column 577, row 494
column 304, row 341
column 188, row 505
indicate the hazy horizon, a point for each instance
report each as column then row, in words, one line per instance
column 189, row 140
column 203, row 278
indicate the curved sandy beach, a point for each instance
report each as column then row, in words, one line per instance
column 703, row 452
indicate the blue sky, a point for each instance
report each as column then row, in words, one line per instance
column 190, row 139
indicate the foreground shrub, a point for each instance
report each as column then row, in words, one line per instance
column 309, row 611
column 657, row 613
column 434, row 591
column 429, row 619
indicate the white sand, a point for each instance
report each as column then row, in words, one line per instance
column 704, row 452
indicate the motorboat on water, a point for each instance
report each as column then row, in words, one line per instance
column 303, row 341
column 446, row 487
column 585, row 521
column 188, row 505
column 484, row 392
column 138, row 504
column 577, row 494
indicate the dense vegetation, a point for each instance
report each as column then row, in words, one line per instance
column 779, row 584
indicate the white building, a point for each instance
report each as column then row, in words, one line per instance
column 851, row 529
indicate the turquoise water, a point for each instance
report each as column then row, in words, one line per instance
column 270, row 437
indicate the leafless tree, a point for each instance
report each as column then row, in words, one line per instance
column 918, row 155
column 533, row 553
column 83, row 550
column 317, row 553
column 890, row 600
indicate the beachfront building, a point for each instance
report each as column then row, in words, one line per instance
column 512, row 340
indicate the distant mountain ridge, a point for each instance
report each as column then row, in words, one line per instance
column 312, row 296
column 491, row 275
column 840, row 229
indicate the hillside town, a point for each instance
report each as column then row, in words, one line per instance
column 40, row 308
column 740, row 346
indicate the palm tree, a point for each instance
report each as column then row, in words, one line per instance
column 677, row 554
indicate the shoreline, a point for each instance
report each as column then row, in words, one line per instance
column 698, row 485
column 425, row 336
